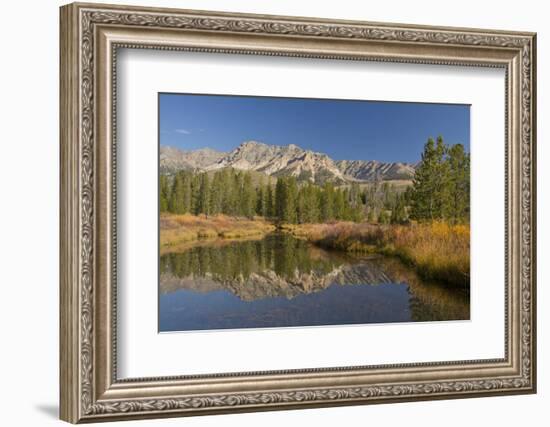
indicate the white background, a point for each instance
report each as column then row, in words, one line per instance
column 29, row 172
column 145, row 353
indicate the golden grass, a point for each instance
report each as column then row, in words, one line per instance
column 438, row 251
column 178, row 229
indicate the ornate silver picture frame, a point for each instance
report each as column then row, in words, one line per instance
column 91, row 34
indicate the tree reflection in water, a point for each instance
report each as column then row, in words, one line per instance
column 283, row 268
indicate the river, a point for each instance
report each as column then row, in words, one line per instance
column 280, row 281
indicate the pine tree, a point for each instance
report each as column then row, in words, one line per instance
column 356, row 204
column 291, row 216
column 264, row 199
column 238, row 182
column 270, row 200
column 260, row 198
column 425, row 185
column 327, row 202
column 399, row 212
column 387, row 195
column 216, row 194
column 280, row 195
column 316, row 200
column 339, row 208
column 312, row 202
column 248, row 196
column 458, row 206
column 286, row 193
column 195, row 182
column 408, row 195
column 441, row 185
column 228, row 192
column 306, row 205
column 203, row 198
column 178, row 195
column 373, row 199
column 164, row 193
column 301, row 206
column 442, row 176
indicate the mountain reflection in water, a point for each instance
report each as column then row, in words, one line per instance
column 283, row 281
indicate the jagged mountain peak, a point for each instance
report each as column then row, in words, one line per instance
column 373, row 170
column 281, row 160
column 173, row 159
column 284, row 160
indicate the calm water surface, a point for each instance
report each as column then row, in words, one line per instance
column 283, row 281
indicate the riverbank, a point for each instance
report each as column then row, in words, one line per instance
column 178, row 229
column 437, row 251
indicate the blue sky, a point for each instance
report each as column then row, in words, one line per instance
column 343, row 129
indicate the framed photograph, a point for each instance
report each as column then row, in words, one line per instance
column 266, row 212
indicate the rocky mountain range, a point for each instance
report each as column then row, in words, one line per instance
column 268, row 284
column 173, row 159
column 288, row 160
